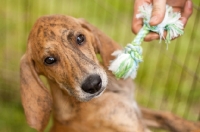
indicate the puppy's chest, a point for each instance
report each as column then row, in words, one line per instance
column 110, row 112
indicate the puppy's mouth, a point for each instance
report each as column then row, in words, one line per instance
column 87, row 97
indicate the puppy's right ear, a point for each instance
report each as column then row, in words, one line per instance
column 36, row 99
column 103, row 45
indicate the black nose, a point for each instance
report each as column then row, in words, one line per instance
column 92, row 84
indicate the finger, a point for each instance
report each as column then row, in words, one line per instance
column 151, row 36
column 158, row 12
column 176, row 3
column 154, row 36
column 136, row 23
column 187, row 12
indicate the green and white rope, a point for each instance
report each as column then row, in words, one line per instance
column 127, row 61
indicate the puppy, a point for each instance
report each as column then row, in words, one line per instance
column 84, row 96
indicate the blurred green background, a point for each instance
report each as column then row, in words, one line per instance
column 167, row 79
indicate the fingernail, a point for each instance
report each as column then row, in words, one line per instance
column 153, row 20
column 189, row 3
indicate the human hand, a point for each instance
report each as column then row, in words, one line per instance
column 158, row 12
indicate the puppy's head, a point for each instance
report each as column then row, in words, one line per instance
column 63, row 49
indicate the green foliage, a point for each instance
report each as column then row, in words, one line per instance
column 167, row 79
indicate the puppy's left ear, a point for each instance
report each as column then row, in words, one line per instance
column 103, row 45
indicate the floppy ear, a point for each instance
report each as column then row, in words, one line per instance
column 36, row 99
column 103, row 45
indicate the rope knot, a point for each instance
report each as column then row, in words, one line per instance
column 135, row 51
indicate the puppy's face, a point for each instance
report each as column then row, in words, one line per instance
column 63, row 51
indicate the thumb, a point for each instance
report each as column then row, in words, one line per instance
column 158, row 12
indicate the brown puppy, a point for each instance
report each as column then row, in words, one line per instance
column 64, row 49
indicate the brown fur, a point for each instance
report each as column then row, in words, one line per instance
column 74, row 110
column 168, row 121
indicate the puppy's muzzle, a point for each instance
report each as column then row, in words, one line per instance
column 92, row 84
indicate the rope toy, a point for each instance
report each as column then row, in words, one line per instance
column 127, row 60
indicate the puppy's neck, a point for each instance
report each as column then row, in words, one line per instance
column 64, row 105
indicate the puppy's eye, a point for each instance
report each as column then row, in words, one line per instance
column 80, row 39
column 50, row 60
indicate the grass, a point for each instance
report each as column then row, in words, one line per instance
column 167, row 79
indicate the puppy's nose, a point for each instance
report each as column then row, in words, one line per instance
column 92, row 84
